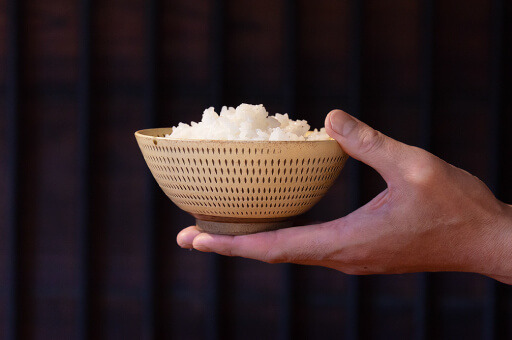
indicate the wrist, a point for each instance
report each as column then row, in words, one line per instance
column 495, row 259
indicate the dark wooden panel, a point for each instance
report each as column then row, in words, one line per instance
column 4, row 158
column 254, row 53
column 83, row 136
column 462, row 63
column 48, row 176
column 7, row 171
column 321, row 302
column 254, row 294
column 4, row 34
column 391, row 72
column 119, row 192
column 324, row 59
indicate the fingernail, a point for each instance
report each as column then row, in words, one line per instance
column 185, row 245
column 342, row 123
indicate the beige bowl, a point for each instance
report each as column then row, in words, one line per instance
column 241, row 187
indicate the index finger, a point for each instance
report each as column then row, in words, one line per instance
column 304, row 245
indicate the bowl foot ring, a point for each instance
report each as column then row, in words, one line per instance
column 243, row 228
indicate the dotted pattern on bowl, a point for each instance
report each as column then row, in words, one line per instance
column 262, row 180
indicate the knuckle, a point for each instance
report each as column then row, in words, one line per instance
column 370, row 140
column 274, row 252
column 274, row 255
column 228, row 252
column 423, row 170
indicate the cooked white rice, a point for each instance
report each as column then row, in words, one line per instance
column 247, row 122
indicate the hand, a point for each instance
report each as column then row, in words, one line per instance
column 431, row 217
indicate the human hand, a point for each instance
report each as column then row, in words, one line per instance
column 431, row 217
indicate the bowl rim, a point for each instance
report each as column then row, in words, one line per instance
column 143, row 134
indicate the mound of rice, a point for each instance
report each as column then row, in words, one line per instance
column 247, row 122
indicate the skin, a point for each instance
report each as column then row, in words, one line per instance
column 431, row 217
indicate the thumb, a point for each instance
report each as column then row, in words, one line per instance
column 360, row 141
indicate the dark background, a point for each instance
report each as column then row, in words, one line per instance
column 87, row 240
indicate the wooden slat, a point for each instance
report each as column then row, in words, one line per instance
column 119, row 244
column 12, row 102
column 84, row 145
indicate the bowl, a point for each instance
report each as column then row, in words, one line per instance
column 241, row 187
